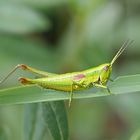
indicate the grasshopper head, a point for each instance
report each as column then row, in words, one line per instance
column 106, row 70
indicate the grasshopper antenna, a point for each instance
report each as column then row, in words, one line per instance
column 121, row 50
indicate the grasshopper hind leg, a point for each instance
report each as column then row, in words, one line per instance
column 27, row 68
column 35, row 71
column 25, row 81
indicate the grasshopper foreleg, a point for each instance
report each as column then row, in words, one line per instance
column 102, row 86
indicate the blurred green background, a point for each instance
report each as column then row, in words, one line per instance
column 63, row 36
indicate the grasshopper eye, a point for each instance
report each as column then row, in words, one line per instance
column 106, row 68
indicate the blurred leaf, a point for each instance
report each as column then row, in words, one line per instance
column 101, row 25
column 130, row 29
column 20, row 19
column 55, row 118
column 39, row 3
column 21, row 47
column 136, row 135
column 33, row 125
column 30, row 120
column 13, row 52
column 3, row 135
column 29, row 94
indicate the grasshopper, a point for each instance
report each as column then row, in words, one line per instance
column 69, row 82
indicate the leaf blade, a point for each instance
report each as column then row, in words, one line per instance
column 30, row 94
column 55, row 117
column 25, row 21
column 30, row 120
column 61, row 116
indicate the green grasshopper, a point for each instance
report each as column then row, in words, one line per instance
column 69, row 82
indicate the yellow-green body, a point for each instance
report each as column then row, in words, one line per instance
column 74, row 81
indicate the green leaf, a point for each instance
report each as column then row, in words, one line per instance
column 34, row 127
column 3, row 135
column 40, row 3
column 20, row 19
column 30, row 94
column 30, row 120
column 136, row 135
column 55, row 117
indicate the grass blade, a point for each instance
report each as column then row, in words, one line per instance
column 30, row 94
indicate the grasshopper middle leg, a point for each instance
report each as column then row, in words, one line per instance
column 76, row 85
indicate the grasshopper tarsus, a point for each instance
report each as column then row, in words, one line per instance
column 109, row 91
column 111, row 80
column 23, row 80
column 70, row 99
